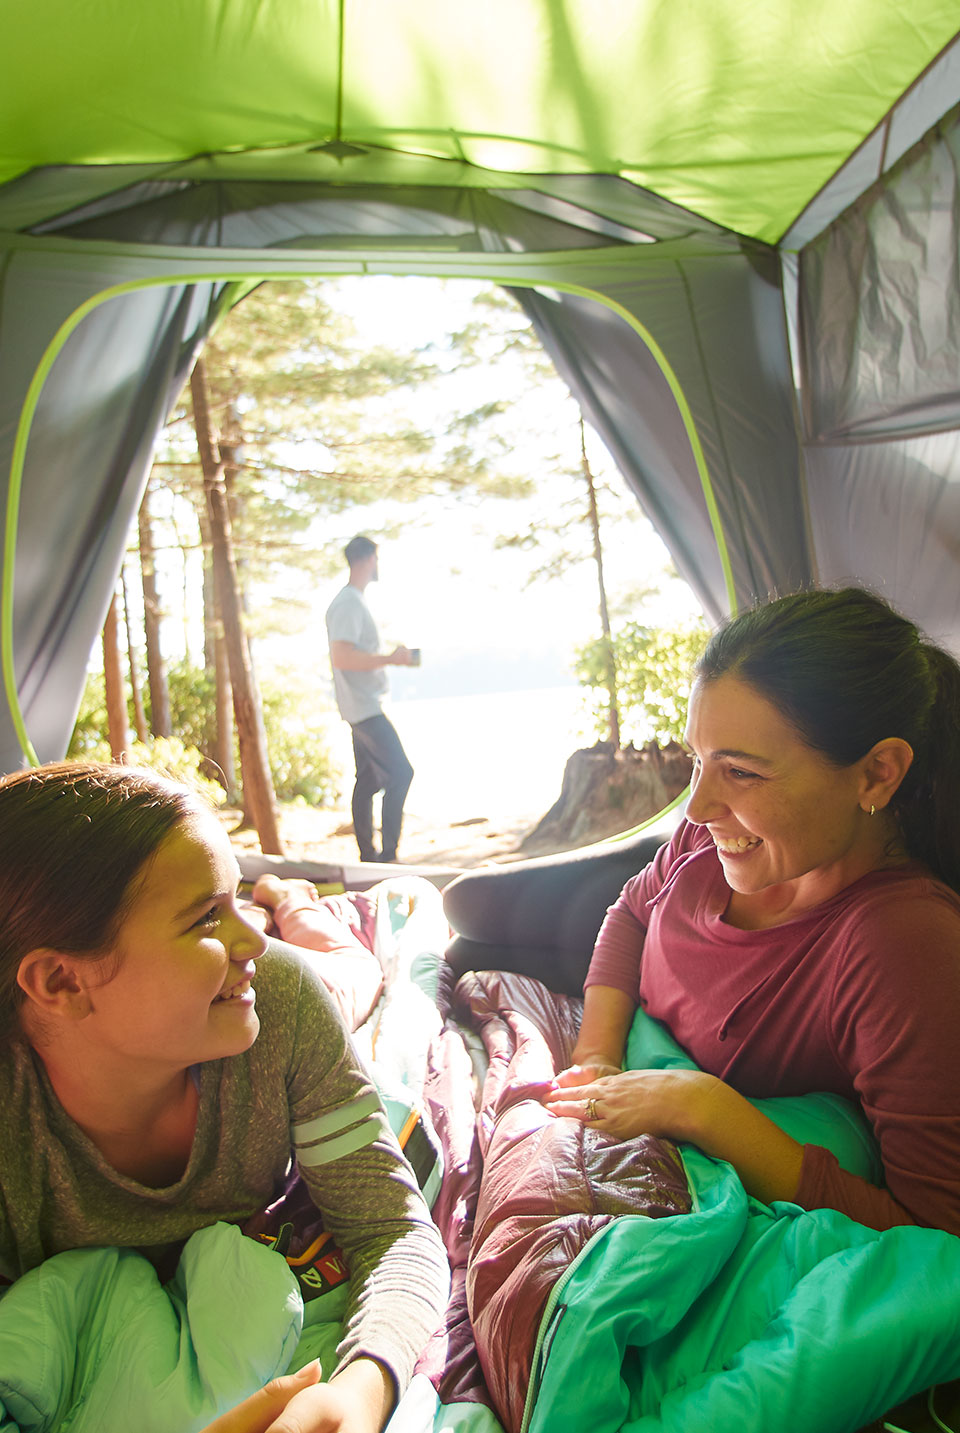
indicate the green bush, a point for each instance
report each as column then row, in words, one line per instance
column 193, row 705
column 299, row 758
column 89, row 741
column 654, row 667
column 300, row 761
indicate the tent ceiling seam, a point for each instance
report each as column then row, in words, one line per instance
column 172, row 172
column 882, row 167
column 340, row 38
column 181, row 255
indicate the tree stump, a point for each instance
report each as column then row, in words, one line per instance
column 608, row 789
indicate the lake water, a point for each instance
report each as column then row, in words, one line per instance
column 497, row 754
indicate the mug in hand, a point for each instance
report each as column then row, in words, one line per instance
column 414, row 656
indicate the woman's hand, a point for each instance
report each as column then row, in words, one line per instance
column 692, row 1107
column 673, row 1104
column 576, row 1075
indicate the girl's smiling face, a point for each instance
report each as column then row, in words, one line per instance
column 785, row 820
column 180, row 990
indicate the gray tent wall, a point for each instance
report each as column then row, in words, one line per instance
column 734, row 372
column 100, row 408
column 879, row 341
column 89, row 453
column 708, row 303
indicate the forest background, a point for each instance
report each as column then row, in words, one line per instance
column 427, row 415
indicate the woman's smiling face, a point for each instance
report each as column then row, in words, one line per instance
column 785, row 820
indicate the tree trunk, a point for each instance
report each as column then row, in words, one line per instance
column 211, row 628
column 139, row 716
column 217, row 668
column 117, row 733
column 231, row 451
column 610, row 661
column 156, row 671
column 231, row 454
column 254, row 764
column 224, row 753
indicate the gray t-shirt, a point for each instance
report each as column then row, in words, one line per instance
column 349, row 619
column 299, row 1089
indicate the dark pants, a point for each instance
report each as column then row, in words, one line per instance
column 382, row 765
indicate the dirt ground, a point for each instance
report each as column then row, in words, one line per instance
column 326, row 835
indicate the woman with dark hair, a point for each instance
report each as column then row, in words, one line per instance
column 801, row 931
column 161, row 1067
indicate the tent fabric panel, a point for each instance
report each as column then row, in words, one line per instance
column 268, row 216
column 710, row 121
column 748, row 107
column 44, row 193
column 619, row 202
column 61, row 193
column 235, row 214
column 844, row 189
column 165, row 82
column 917, row 111
column 888, row 516
column 627, row 401
column 720, row 325
column 59, row 199
column 924, row 104
column 741, row 334
column 880, row 304
column 97, row 419
column 562, row 211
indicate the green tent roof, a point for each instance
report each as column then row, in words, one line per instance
column 734, row 226
column 738, row 111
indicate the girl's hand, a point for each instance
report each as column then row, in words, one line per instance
column 326, row 1408
column 259, row 1412
column 357, row 1400
column 673, row 1104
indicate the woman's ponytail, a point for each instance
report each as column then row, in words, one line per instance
column 927, row 805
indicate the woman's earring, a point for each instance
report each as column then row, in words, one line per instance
column 873, row 810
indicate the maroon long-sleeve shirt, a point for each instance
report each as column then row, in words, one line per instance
column 860, row 996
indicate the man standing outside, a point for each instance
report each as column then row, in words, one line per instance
column 360, row 682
